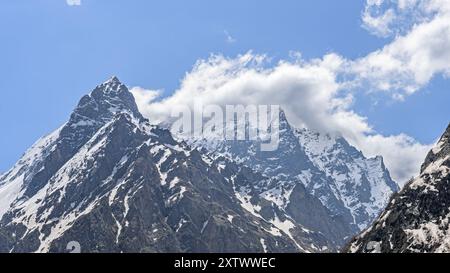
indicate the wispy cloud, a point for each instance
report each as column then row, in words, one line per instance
column 228, row 38
column 420, row 48
column 73, row 2
column 387, row 18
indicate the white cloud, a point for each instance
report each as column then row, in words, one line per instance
column 73, row 2
column 144, row 97
column 386, row 18
column 307, row 91
column 412, row 59
column 378, row 24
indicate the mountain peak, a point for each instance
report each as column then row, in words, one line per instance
column 283, row 121
column 104, row 102
column 111, row 86
column 113, row 79
column 441, row 149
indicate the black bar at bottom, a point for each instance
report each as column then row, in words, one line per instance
column 187, row 263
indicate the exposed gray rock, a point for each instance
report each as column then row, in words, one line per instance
column 417, row 219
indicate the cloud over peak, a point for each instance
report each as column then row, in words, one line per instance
column 308, row 91
column 319, row 93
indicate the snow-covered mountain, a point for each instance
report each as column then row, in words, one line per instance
column 348, row 190
column 355, row 184
column 113, row 182
column 417, row 219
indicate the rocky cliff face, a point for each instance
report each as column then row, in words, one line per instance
column 417, row 219
column 353, row 186
column 320, row 181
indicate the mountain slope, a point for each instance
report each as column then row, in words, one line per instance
column 417, row 218
column 345, row 190
column 362, row 186
column 112, row 182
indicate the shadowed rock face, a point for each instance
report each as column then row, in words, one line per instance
column 417, row 218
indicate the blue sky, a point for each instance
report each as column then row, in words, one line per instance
column 52, row 53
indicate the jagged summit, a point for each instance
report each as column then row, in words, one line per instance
column 114, row 78
column 105, row 101
column 113, row 84
column 284, row 123
column 442, row 148
column 49, row 154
